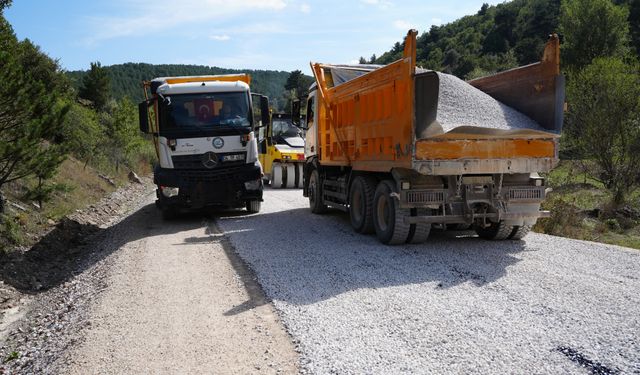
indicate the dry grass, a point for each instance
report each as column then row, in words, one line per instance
column 581, row 208
column 82, row 187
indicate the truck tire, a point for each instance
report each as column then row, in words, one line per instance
column 276, row 175
column 291, row 175
column 361, row 194
column 419, row 232
column 299, row 175
column 519, row 231
column 315, row 194
column 253, row 206
column 496, row 231
column 388, row 217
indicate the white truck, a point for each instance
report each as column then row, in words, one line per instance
column 203, row 132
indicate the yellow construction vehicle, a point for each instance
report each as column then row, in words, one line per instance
column 281, row 149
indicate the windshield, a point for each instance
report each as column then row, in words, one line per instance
column 204, row 112
column 284, row 128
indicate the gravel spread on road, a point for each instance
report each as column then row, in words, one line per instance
column 146, row 296
column 67, row 268
column 452, row 305
column 176, row 301
column 460, row 104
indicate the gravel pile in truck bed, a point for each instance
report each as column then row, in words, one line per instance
column 460, row 104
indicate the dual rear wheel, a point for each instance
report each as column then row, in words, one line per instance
column 502, row 231
column 389, row 218
column 373, row 208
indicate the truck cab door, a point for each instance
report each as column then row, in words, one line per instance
column 261, row 112
column 261, row 120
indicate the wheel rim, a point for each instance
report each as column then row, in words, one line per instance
column 356, row 204
column 382, row 212
column 312, row 190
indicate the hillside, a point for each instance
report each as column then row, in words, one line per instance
column 126, row 78
column 494, row 39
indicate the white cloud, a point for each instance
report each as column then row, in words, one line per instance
column 436, row 21
column 382, row 4
column 149, row 16
column 254, row 28
column 220, row 38
column 305, row 8
column 402, row 25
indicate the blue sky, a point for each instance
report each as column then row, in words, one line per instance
column 255, row 34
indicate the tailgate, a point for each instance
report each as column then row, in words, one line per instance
column 469, row 150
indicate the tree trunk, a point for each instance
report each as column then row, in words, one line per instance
column 40, row 195
column 2, row 203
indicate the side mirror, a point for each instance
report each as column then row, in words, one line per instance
column 295, row 111
column 264, row 109
column 143, row 114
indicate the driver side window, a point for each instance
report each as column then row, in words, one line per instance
column 310, row 106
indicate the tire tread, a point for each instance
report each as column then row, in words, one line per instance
column 519, row 232
column 497, row 231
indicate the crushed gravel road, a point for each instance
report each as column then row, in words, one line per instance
column 453, row 305
column 286, row 291
column 179, row 301
column 140, row 295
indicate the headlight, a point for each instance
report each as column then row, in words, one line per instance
column 252, row 185
column 169, row 191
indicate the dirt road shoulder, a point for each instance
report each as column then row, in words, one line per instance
column 179, row 300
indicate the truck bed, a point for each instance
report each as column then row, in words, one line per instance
column 399, row 116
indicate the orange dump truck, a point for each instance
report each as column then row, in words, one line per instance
column 402, row 148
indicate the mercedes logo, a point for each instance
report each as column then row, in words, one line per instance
column 209, row 160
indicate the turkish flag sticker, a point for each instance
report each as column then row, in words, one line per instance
column 204, row 109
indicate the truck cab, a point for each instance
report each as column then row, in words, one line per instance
column 203, row 131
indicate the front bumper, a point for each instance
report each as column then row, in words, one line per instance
column 202, row 188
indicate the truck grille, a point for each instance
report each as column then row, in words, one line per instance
column 195, row 161
column 187, row 162
column 425, row 196
column 525, row 194
column 197, row 176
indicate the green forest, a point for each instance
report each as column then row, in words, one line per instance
column 513, row 33
column 89, row 117
column 126, row 79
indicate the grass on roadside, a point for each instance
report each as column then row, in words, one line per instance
column 581, row 208
column 24, row 220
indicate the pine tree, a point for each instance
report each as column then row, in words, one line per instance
column 96, row 86
column 634, row 24
column 298, row 82
column 31, row 109
column 44, row 171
